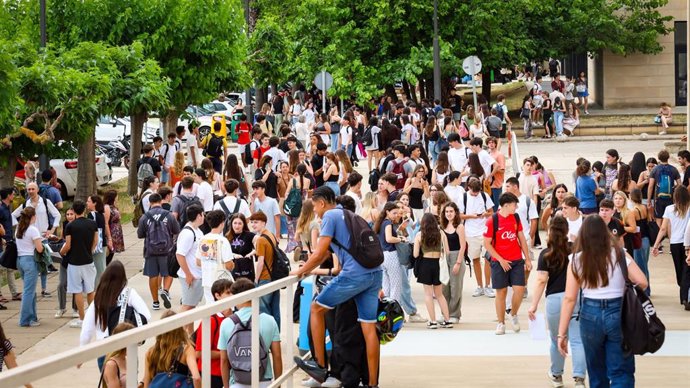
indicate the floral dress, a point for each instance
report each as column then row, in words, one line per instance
column 116, row 230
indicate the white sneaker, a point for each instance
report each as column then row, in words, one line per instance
column 489, row 292
column 60, row 313
column 331, row 382
column 556, row 381
column 454, row 320
column 516, row 323
column 310, row 382
column 662, row 133
column 478, row 292
column 416, row 318
column 76, row 324
column 75, row 314
column 500, row 329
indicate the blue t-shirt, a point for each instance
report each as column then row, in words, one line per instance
column 585, row 192
column 385, row 245
column 6, row 221
column 333, row 225
column 52, row 193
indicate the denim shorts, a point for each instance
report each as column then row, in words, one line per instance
column 364, row 289
column 81, row 278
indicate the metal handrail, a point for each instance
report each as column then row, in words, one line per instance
column 55, row 363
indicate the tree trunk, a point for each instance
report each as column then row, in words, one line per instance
column 7, row 175
column 429, row 83
column 260, row 98
column 86, row 172
column 486, row 85
column 138, row 121
column 421, row 87
column 446, row 86
column 170, row 122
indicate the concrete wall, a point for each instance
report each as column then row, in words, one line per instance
column 641, row 80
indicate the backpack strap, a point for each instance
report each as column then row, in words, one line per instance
column 494, row 222
column 191, row 230
column 225, row 207
column 273, row 247
column 237, row 205
column 123, row 307
column 464, row 203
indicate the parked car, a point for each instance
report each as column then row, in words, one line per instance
column 112, row 128
column 216, row 106
column 204, row 116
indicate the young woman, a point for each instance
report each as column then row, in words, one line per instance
column 558, row 115
column 624, row 181
column 600, row 179
column 7, row 355
column 554, row 207
column 96, row 212
column 110, row 292
column 373, row 153
column 241, row 242
column 115, row 366
column 265, row 173
column 595, row 270
column 301, row 181
column 28, row 240
column 674, row 225
column 582, row 90
column 665, row 116
column 62, row 282
column 283, row 180
column 610, row 170
column 586, row 188
column 417, row 188
column 173, row 351
column 233, row 170
column 526, row 114
column 175, row 170
column 369, row 211
column 628, row 219
column 547, row 111
column 474, row 167
column 331, row 173
column 307, row 228
column 112, row 218
column 467, row 120
column 441, row 170
column 454, row 231
column 643, row 179
column 346, row 169
column 314, row 140
column 150, row 186
column 552, row 271
column 323, row 129
column 212, row 177
column 641, row 254
column 477, row 129
column 432, row 134
column 428, row 245
column 438, row 199
column 388, row 236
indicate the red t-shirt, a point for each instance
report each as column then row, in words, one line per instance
column 507, row 243
column 243, row 128
column 256, row 154
column 216, row 320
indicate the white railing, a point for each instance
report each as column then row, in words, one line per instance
column 58, row 362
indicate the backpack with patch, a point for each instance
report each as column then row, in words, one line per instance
column 399, row 170
column 145, row 170
column 374, row 177
column 293, row 203
column 240, row 352
column 214, row 147
column 664, row 185
column 229, row 214
column 123, row 312
column 187, row 202
column 158, row 238
column 139, row 208
column 499, row 111
column 247, row 153
column 367, row 138
column 365, row 246
column 280, row 267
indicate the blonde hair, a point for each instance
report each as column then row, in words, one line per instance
column 369, row 202
column 179, row 163
column 161, row 356
column 624, row 209
column 124, row 326
column 306, row 216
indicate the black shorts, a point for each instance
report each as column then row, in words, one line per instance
column 660, row 205
column 428, row 272
column 504, row 126
column 514, row 277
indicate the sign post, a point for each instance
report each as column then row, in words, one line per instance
column 323, row 81
column 472, row 65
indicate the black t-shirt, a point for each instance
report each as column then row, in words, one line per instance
column 100, row 223
column 82, row 232
column 155, row 164
column 616, row 228
column 556, row 282
column 278, row 105
column 271, row 182
column 242, row 244
column 457, row 107
column 317, row 163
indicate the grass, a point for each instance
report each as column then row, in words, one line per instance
column 124, row 201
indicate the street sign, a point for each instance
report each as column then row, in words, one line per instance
column 472, row 65
column 323, row 80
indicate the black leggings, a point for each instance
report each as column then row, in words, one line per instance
column 682, row 270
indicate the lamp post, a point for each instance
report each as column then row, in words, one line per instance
column 43, row 161
column 437, row 56
column 248, row 91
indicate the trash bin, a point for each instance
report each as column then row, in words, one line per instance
column 235, row 120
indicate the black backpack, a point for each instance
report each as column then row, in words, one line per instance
column 247, row 154
column 228, row 214
column 643, row 331
column 367, row 138
column 124, row 313
column 281, row 264
column 215, row 146
column 187, row 202
column 173, row 264
column 365, row 246
column 374, row 177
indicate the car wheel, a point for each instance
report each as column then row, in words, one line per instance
column 203, row 131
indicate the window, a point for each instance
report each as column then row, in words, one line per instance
column 681, row 57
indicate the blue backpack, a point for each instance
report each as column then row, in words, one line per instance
column 664, row 185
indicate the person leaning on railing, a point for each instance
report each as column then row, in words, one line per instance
column 7, row 355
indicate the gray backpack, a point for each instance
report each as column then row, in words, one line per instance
column 240, row 352
column 145, row 170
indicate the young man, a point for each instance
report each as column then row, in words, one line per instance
column 265, row 253
column 214, row 252
column 189, row 273
column 216, row 146
column 502, row 112
column 232, row 203
column 662, row 181
column 488, row 163
column 275, row 153
column 475, row 208
column 268, row 332
column 499, row 176
column 220, row 290
column 571, row 211
column 346, row 132
column 47, row 216
column 157, row 143
column 527, row 211
column 49, row 191
column 508, row 267
column 494, row 123
column 155, row 263
column 81, row 238
column 166, row 197
column 168, row 155
column 354, row 182
column 269, row 206
column 389, row 181
column 317, row 162
column 353, row 282
column 537, row 99
column 606, row 211
column 684, row 161
column 184, row 197
column 205, row 191
column 6, row 198
column 455, row 104
column 192, row 144
column 415, row 160
column 458, row 153
column 150, row 159
column 397, row 166
column 529, row 185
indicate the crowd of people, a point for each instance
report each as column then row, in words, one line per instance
column 439, row 200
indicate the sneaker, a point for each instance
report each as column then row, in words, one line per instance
column 556, row 381
column 17, row 296
column 662, row 133
column 432, row 325
column 60, row 313
column 446, row 325
column 75, row 314
column 478, row 292
column 312, row 369
column 489, row 292
column 524, row 296
column 52, row 269
column 34, row 324
column 166, row 298
column 310, row 382
column 46, row 294
column 416, row 318
column 331, row 382
column 515, row 322
column 76, row 323
column 454, row 320
column 156, row 306
column 500, row 329
column 580, row 382
column 687, row 306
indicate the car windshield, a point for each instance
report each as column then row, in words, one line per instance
column 198, row 111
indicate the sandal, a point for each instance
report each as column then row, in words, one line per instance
column 3, row 299
column 17, row 296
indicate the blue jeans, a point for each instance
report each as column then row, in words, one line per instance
column 495, row 195
column 283, row 224
column 334, row 142
column 432, row 151
column 348, row 150
column 270, row 303
column 553, row 315
column 29, row 271
column 407, row 302
column 600, row 328
column 364, row 289
column 558, row 121
column 334, row 186
column 641, row 257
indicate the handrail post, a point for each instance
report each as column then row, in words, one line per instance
column 255, row 341
column 206, row 352
column 132, row 365
column 288, row 328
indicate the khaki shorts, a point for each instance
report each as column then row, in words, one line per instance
column 474, row 246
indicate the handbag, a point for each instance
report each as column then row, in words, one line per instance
column 9, row 255
column 171, row 378
column 657, row 119
column 404, row 251
column 444, row 274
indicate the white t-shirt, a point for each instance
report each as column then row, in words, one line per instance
column 374, row 136
column 187, row 245
column 168, row 151
column 574, row 228
column 454, row 193
column 302, row 131
column 277, row 155
column 528, row 184
column 345, row 135
column 191, row 142
column 358, row 202
column 25, row 245
column 308, row 116
column 177, row 190
column 616, row 285
column 475, row 227
column 205, row 194
column 477, row 130
column 230, row 202
column 526, row 217
column 91, row 329
column 413, row 133
column 678, row 225
column 458, row 158
column 486, row 160
column 213, row 251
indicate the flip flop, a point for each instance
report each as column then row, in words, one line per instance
column 17, row 297
column 3, row 300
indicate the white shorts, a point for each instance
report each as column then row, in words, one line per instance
column 81, row 278
column 191, row 296
column 474, row 246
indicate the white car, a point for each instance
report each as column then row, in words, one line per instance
column 220, row 107
column 204, row 116
column 66, row 171
column 111, row 128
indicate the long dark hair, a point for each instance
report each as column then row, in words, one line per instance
column 556, row 256
column 681, row 201
column 389, row 206
column 475, row 165
column 583, row 168
column 442, row 214
column 113, row 281
column 100, row 208
column 623, row 177
column 637, row 165
column 593, row 245
column 301, row 171
column 442, row 163
column 25, row 221
column 430, row 126
column 554, row 200
column 430, row 233
column 109, row 197
column 231, row 233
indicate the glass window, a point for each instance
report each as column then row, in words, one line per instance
column 681, row 57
